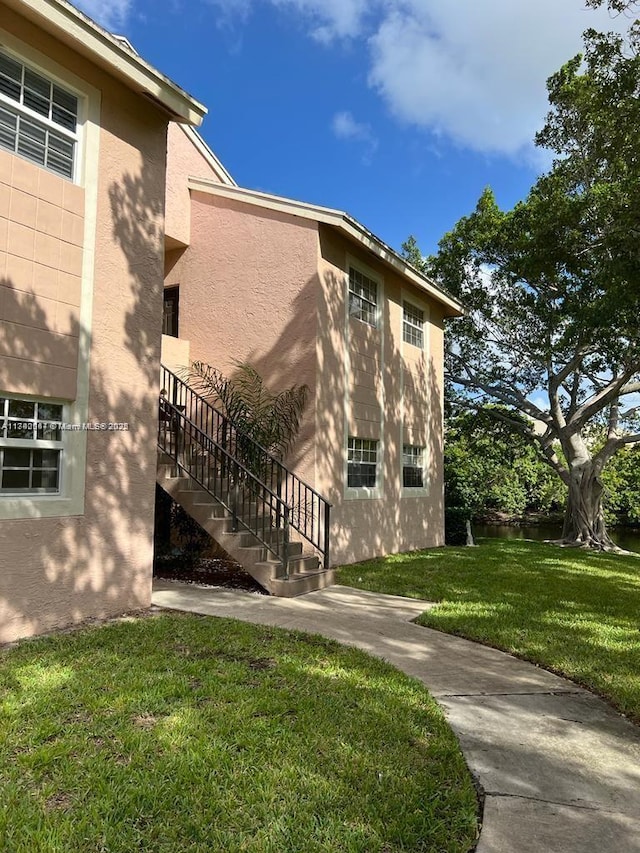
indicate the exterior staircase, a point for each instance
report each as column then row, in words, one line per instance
column 265, row 517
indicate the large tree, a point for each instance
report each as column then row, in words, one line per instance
column 552, row 287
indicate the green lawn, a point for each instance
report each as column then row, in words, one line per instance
column 573, row 612
column 181, row 733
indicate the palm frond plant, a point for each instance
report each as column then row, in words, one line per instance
column 262, row 420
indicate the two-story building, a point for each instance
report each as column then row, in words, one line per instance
column 116, row 218
column 308, row 295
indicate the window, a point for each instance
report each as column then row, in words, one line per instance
column 412, row 467
column 30, row 446
column 362, row 463
column 363, row 297
column 38, row 119
column 170, row 312
column 413, row 325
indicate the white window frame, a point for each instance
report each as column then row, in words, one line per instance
column 71, row 501
column 422, row 467
column 363, row 492
column 410, row 325
column 415, row 491
column 20, row 109
column 31, row 444
column 354, row 311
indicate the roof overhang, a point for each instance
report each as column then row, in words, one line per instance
column 85, row 37
column 342, row 222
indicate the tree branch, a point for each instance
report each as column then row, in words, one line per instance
column 508, row 396
column 598, row 401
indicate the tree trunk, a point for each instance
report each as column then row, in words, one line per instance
column 584, row 523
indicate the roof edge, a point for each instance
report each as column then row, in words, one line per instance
column 337, row 219
column 203, row 148
column 73, row 27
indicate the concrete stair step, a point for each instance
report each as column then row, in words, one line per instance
column 297, row 583
column 305, row 574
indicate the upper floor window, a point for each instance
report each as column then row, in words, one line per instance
column 38, row 119
column 363, row 297
column 170, row 311
column 30, row 446
column 412, row 325
column 412, row 466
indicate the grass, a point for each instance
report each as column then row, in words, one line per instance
column 575, row 613
column 182, row 733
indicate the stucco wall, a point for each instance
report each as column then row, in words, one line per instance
column 364, row 390
column 269, row 288
column 41, row 234
column 175, row 353
column 55, row 571
column 183, row 161
column 248, row 292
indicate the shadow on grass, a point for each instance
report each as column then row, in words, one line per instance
column 187, row 733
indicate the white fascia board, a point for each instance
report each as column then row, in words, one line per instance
column 346, row 224
column 87, row 38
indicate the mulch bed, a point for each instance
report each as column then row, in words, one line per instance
column 210, row 571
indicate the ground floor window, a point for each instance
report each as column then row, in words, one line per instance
column 412, row 466
column 30, row 446
column 362, row 463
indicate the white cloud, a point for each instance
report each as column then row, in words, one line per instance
column 476, row 74
column 232, row 12
column 111, row 14
column 345, row 126
column 331, row 19
column 471, row 72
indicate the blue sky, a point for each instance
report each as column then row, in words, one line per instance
column 398, row 111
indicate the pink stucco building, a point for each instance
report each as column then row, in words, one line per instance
column 307, row 295
column 116, row 218
column 83, row 139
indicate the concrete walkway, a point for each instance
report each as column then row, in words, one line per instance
column 560, row 769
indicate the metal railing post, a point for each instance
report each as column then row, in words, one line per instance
column 285, row 543
column 327, row 534
column 279, row 494
column 234, row 506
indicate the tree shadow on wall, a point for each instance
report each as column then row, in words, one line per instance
column 360, row 527
column 60, row 570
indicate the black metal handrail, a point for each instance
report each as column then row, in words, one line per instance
column 252, row 504
column 309, row 513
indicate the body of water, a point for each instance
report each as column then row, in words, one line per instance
column 625, row 538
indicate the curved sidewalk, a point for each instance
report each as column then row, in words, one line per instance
column 560, row 770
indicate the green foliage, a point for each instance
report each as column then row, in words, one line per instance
column 552, row 288
column 270, row 419
column 629, row 8
column 178, row 538
column 622, row 487
column 490, row 465
column 190, row 538
column 411, row 253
